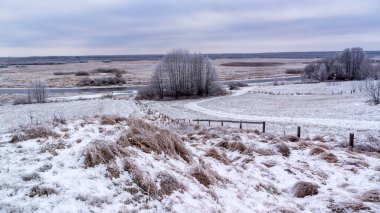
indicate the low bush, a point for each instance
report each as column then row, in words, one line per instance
column 100, row 81
column 236, row 85
column 302, row 189
column 294, row 71
column 82, row 73
column 329, row 158
column 316, row 151
column 32, row 176
column 63, row 73
column 22, row 100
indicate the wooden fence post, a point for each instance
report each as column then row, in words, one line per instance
column 209, row 123
column 198, row 122
column 222, row 123
column 264, row 126
column 298, row 131
column 240, row 125
column 351, row 143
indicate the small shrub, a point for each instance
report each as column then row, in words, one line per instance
column 22, row 100
column 302, row 189
column 82, row 73
column 264, row 151
column 63, row 73
column 236, row 85
column 216, row 155
column 41, row 191
column 283, row 149
column 294, row 71
column 370, row 144
column 100, row 81
column 59, row 119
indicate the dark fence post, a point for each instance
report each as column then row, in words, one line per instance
column 298, row 131
column 209, row 123
column 264, row 126
column 222, row 123
column 198, row 122
column 351, row 143
column 240, row 124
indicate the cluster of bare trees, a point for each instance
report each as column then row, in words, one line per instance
column 181, row 74
column 350, row 64
column 36, row 93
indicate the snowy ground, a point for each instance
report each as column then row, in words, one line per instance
column 48, row 174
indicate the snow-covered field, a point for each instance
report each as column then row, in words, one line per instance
column 49, row 175
column 95, row 164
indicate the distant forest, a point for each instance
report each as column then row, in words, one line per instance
column 51, row 60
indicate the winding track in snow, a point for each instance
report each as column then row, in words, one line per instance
column 345, row 123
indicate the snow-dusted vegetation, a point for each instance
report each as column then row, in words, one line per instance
column 112, row 163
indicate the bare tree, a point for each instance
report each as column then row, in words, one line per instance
column 373, row 90
column 38, row 91
column 181, row 74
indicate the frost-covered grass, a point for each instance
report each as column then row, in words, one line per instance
column 229, row 170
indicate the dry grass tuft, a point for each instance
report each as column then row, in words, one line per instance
column 202, row 177
column 215, row 154
column 329, row 157
column 169, row 184
column 302, row 189
column 51, row 148
column 141, row 181
column 32, row 176
column 371, row 196
column 318, row 138
column 349, row 206
column 113, row 170
column 264, row 151
column 316, row 150
column 292, row 138
column 32, row 132
column 111, row 119
column 268, row 188
column 150, row 138
column 233, row 146
column 102, row 152
column 283, row 149
column 41, row 191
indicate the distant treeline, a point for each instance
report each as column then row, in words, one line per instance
column 52, row 60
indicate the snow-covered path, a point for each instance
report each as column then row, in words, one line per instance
column 344, row 123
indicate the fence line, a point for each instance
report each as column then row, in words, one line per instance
column 231, row 121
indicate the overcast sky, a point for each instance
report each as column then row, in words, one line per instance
column 93, row 27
